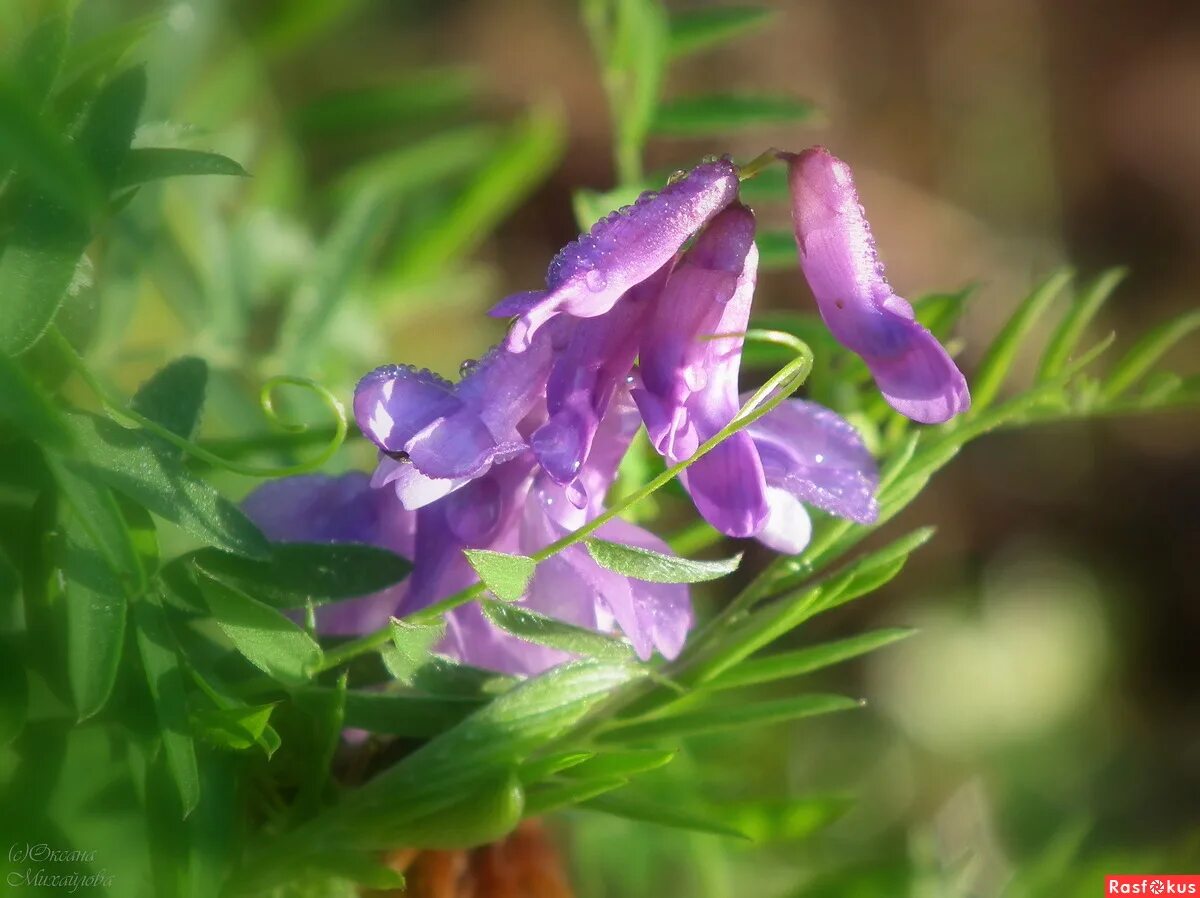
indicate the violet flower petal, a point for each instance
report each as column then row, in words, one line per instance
column 455, row 431
column 837, row 254
column 689, row 381
column 817, row 456
column 589, row 275
column 585, row 376
column 345, row 509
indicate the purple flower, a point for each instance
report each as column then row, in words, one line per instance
column 450, row 432
column 589, row 275
column 689, row 381
column 811, row 455
column 756, row 482
column 511, row 507
column 837, row 253
column 586, row 375
column 323, row 509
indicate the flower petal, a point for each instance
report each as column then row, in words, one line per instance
column 589, row 275
column 837, row 254
column 817, row 456
column 395, row 402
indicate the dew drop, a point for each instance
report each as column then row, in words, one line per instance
column 596, row 280
column 468, row 367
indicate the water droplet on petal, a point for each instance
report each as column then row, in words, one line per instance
column 596, row 280
column 467, row 368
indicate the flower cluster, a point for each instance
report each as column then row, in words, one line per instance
column 641, row 322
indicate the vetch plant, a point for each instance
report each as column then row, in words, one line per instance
column 299, row 692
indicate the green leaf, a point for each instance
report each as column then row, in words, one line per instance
column 498, row 735
column 803, row 661
column 412, row 715
column 998, row 360
column 700, row 29
column 554, row 796
column 236, row 728
column 541, row 630
column 716, row 719
column 414, row 647
column 1070, row 330
column 507, row 576
column 485, row 748
column 40, row 258
column 673, row 816
column 715, row 114
column 777, row 250
column 50, row 168
column 40, row 57
column 657, row 567
column 295, row 573
column 263, row 636
column 27, row 407
column 95, row 603
column 174, row 397
column 135, row 463
column 624, row 763
column 165, row 679
column 143, row 164
column 1146, row 352
column 513, row 169
column 788, row 819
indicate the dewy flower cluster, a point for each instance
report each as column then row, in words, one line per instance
column 632, row 328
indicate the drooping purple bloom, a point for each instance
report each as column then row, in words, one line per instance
column 450, row 432
column 756, row 482
column 837, row 254
column 589, row 275
column 689, row 372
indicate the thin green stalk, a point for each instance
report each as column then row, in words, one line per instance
column 117, row 408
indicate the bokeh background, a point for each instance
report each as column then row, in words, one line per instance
column 415, row 161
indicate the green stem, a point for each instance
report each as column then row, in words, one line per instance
column 117, row 408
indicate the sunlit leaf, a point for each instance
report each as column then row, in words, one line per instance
column 144, row 164
column 788, row 819
column 657, row 567
column 264, row 637
column 553, row 796
column 803, row 661
column 713, row 114
column 543, row 630
column 507, row 576
column 994, row 368
column 1070, row 330
column 1146, row 352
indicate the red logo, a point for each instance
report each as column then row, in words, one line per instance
column 1160, row 884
